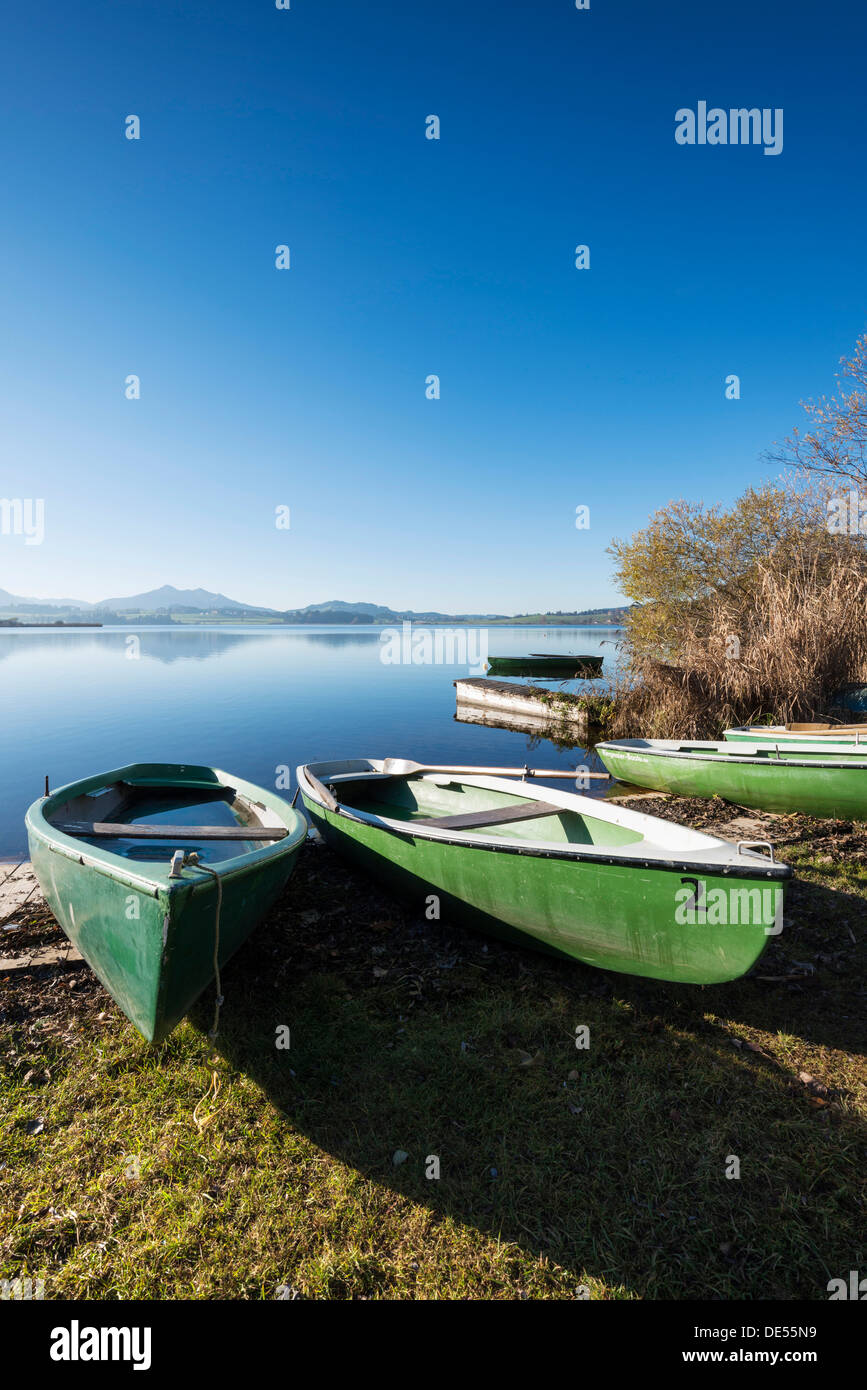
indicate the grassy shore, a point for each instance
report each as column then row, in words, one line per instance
column 240, row 1170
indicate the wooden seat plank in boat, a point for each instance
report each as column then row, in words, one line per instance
column 500, row 815
column 106, row 830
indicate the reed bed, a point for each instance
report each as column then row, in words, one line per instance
column 776, row 650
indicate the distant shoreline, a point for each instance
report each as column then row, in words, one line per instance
column 184, row 606
column 299, row 627
column 224, row 620
column 16, row 626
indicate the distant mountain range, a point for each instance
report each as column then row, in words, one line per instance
column 201, row 600
column 164, row 600
column 169, row 603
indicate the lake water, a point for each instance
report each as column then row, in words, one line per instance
column 246, row 699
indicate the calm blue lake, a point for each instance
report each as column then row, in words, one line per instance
column 249, row 700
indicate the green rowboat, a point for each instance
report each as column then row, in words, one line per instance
column 134, row 864
column 787, row 734
column 811, row 777
column 546, row 868
column 550, row 666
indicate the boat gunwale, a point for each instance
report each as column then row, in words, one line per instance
column 748, row 865
column 156, row 881
column 752, row 759
column 847, row 733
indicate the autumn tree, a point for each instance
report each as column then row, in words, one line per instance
column 690, row 553
column 834, row 443
column 759, row 608
column 739, row 613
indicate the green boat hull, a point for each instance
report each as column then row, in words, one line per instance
column 552, row 667
column 148, row 938
column 796, row 781
column 614, row 916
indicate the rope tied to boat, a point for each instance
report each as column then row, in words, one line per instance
column 191, row 859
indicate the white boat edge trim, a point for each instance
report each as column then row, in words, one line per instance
column 686, row 846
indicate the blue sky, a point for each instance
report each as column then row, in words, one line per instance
column 306, row 387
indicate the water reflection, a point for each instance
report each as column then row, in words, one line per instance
column 71, row 704
column 171, row 644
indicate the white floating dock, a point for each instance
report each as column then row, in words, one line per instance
column 523, row 702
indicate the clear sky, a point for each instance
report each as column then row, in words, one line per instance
column 409, row 257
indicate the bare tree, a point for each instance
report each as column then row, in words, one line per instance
column 835, row 440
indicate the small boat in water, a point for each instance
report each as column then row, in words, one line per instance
column 155, row 869
column 555, row 667
column 787, row 734
column 813, row 777
column 553, row 870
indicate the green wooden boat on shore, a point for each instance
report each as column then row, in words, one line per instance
column 787, row 734
column 810, row 776
column 151, row 868
column 554, row 667
column 549, row 869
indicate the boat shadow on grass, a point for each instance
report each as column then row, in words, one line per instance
column 441, row 1067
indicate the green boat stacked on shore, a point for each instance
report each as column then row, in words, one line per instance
column 809, row 777
column 787, row 734
column 151, row 869
column 563, row 873
column 554, row 667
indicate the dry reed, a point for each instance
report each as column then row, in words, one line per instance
column 778, row 650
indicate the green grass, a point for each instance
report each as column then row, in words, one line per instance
column 234, row 1171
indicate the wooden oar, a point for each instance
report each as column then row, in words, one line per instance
column 404, row 767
